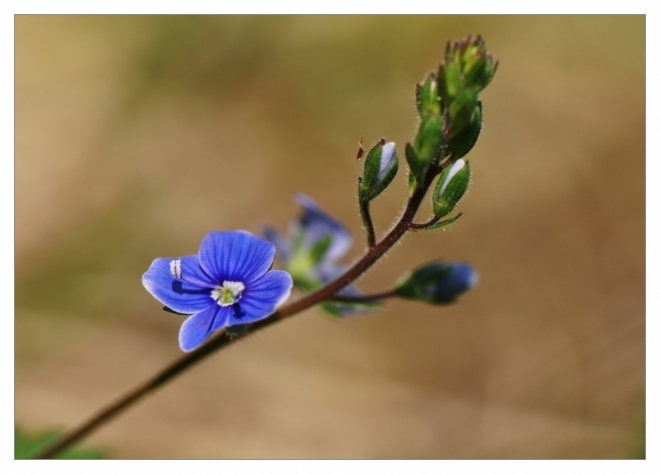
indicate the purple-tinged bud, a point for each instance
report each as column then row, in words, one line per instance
column 437, row 282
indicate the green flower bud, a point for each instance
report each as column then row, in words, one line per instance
column 437, row 282
column 467, row 64
column 450, row 187
column 380, row 167
column 416, row 165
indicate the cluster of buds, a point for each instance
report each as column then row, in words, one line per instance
column 449, row 108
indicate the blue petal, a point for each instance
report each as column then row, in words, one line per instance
column 235, row 256
column 315, row 224
column 199, row 327
column 262, row 297
column 282, row 247
column 181, row 296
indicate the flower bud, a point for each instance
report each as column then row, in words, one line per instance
column 380, row 167
column 450, row 187
column 437, row 282
column 467, row 64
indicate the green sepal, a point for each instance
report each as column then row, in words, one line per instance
column 451, row 186
column 412, row 182
column 374, row 180
column 417, row 167
column 413, row 285
column 427, row 144
column 480, row 70
column 461, row 144
column 461, row 111
column 237, row 330
column 445, row 222
column 170, row 310
column 428, row 100
column 449, row 80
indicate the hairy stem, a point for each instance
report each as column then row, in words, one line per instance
column 368, row 223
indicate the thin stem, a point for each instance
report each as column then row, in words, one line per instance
column 364, row 298
column 220, row 341
column 425, row 225
column 368, row 223
column 433, row 223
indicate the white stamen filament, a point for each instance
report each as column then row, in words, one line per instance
column 176, row 272
column 175, row 268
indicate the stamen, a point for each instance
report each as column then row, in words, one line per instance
column 229, row 293
column 176, row 272
column 175, row 268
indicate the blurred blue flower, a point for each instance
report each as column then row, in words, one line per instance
column 310, row 251
column 227, row 283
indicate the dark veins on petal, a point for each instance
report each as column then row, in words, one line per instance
column 177, row 287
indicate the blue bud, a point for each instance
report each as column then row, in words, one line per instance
column 437, row 282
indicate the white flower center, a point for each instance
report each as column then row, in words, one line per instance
column 229, row 293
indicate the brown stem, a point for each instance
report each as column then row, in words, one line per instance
column 374, row 297
column 220, row 341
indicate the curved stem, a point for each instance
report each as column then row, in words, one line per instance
column 374, row 297
column 220, row 341
column 425, row 225
column 366, row 217
column 368, row 223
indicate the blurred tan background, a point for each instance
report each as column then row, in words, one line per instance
column 135, row 136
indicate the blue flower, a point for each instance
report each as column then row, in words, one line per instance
column 310, row 252
column 227, row 283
